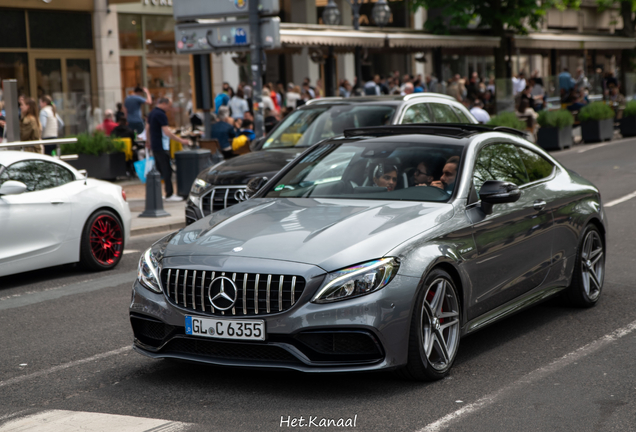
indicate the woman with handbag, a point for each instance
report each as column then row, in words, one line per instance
column 30, row 125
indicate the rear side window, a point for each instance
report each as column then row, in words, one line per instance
column 462, row 117
column 443, row 113
column 536, row 165
column 63, row 175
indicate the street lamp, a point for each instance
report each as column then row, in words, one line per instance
column 331, row 14
column 381, row 13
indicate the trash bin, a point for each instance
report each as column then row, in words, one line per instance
column 189, row 164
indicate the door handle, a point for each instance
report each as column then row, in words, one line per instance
column 539, row 205
column 57, row 202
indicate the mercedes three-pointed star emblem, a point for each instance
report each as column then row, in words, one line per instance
column 222, row 293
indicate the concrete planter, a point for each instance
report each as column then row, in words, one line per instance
column 551, row 138
column 597, row 130
column 103, row 167
column 628, row 126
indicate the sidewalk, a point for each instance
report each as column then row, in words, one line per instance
column 136, row 197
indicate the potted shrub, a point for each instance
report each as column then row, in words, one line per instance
column 597, row 122
column 555, row 132
column 508, row 119
column 628, row 122
column 100, row 155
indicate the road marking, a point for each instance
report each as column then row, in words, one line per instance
column 620, row 200
column 75, row 288
column 64, row 366
column 78, row 421
column 530, row 378
column 597, row 146
column 129, row 251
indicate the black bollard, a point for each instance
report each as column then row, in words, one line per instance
column 154, row 204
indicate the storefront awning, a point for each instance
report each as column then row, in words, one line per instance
column 573, row 42
column 345, row 37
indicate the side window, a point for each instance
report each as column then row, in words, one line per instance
column 418, row 113
column 35, row 174
column 63, row 175
column 537, row 167
column 443, row 113
column 499, row 162
column 3, row 175
column 461, row 115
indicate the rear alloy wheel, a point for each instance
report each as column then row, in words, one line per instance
column 589, row 270
column 102, row 241
column 435, row 329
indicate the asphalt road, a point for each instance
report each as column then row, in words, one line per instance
column 65, row 345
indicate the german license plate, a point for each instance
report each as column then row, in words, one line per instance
column 225, row 328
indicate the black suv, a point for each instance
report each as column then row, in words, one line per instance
column 224, row 184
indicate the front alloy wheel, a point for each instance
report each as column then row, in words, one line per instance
column 435, row 329
column 102, row 241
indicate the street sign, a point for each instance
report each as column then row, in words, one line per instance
column 224, row 36
column 197, row 9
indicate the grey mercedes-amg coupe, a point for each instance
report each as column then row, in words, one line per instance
column 374, row 250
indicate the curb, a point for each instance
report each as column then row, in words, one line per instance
column 157, row 229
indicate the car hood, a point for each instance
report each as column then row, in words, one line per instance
column 240, row 170
column 328, row 233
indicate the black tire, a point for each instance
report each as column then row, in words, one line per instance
column 436, row 315
column 102, row 244
column 589, row 270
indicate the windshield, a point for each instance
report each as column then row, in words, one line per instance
column 305, row 127
column 373, row 170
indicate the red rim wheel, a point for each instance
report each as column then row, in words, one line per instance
column 102, row 241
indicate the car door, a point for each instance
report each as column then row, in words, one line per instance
column 34, row 223
column 513, row 242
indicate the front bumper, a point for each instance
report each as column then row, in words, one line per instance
column 361, row 334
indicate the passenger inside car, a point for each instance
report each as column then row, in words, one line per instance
column 422, row 175
column 385, row 175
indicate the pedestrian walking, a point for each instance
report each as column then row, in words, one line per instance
column 292, row 96
column 133, row 105
column 158, row 136
column 48, row 122
column 30, row 128
column 238, row 105
column 223, row 132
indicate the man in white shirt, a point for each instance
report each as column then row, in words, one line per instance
column 518, row 84
column 479, row 112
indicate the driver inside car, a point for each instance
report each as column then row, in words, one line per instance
column 449, row 175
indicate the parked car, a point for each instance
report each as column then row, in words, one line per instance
column 353, row 259
column 51, row 214
column 224, row 184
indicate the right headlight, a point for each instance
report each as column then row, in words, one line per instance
column 148, row 271
column 357, row 280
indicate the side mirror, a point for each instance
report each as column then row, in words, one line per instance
column 83, row 172
column 12, row 187
column 497, row 192
column 257, row 144
column 254, row 185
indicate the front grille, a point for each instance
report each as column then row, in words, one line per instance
column 229, row 350
column 222, row 197
column 257, row 294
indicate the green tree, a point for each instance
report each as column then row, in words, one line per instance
column 502, row 17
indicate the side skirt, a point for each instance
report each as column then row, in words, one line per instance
column 530, row 299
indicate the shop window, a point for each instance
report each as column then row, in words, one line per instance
column 49, row 77
column 169, row 76
column 15, row 66
column 14, row 35
column 160, row 35
column 130, row 74
column 46, row 29
column 78, row 99
column 130, row 36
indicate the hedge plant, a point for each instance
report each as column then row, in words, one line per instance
column 555, row 119
column 630, row 109
column 96, row 144
column 596, row 111
column 508, row 119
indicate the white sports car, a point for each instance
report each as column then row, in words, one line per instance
column 50, row 214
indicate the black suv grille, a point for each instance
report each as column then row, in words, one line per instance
column 190, row 289
column 221, row 197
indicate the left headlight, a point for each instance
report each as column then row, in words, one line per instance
column 357, row 280
column 148, row 271
column 199, row 186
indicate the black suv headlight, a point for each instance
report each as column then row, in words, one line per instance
column 357, row 280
